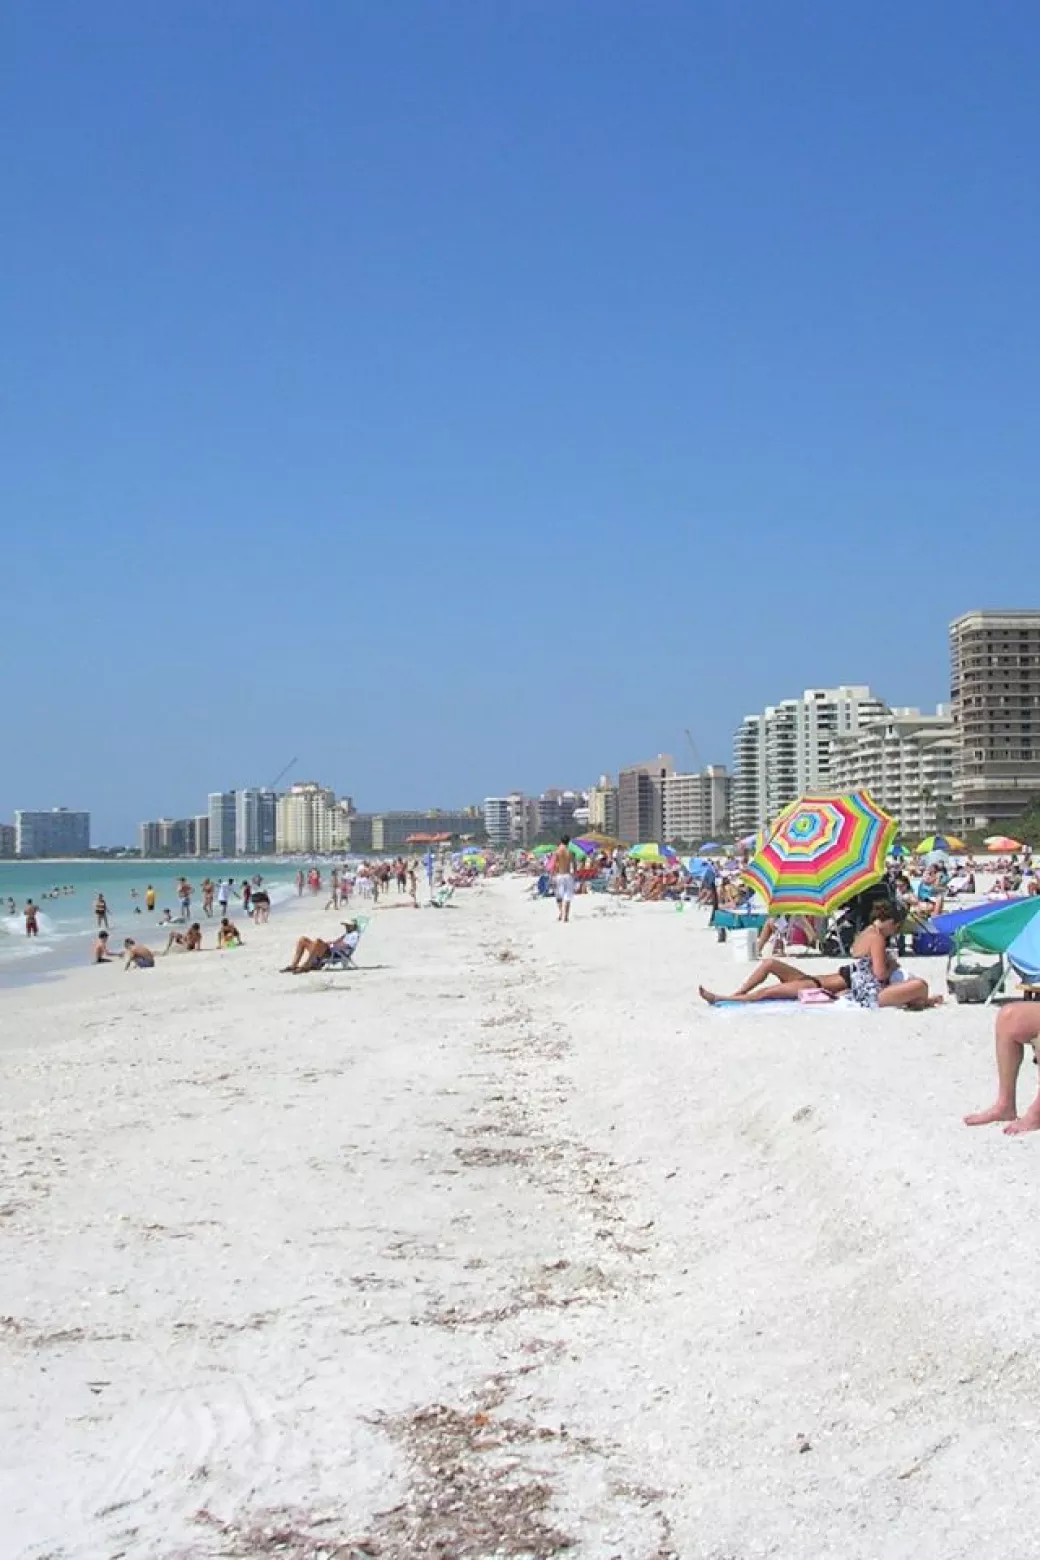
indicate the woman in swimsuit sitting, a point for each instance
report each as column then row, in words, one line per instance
column 872, row 967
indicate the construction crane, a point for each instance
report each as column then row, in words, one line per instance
column 283, row 772
column 698, row 766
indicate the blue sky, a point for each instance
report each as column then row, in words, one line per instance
column 461, row 396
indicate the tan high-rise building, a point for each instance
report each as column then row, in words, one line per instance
column 995, row 693
column 603, row 807
column 695, row 808
column 641, row 799
column 304, row 819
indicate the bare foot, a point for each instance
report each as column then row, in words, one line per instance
column 1030, row 1122
column 708, row 996
column 936, row 1001
column 998, row 1112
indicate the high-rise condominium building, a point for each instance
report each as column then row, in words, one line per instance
column 603, row 807
column 995, row 691
column 6, row 839
column 169, row 837
column 695, row 808
column 906, row 761
column 787, row 749
column 496, row 820
column 55, row 833
column 554, row 813
column 306, row 820
column 222, row 823
column 255, row 821
column 641, row 799
column 202, row 834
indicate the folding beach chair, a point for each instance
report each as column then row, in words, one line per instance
column 342, row 958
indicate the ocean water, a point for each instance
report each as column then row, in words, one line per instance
column 67, row 920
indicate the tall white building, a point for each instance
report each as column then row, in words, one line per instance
column 695, row 808
column 789, row 749
column 306, row 819
column 497, row 816
column 255, row 822
column 907, row 762
column 58, row 832
column 222, row 823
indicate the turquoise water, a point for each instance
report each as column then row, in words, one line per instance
column 67, row 921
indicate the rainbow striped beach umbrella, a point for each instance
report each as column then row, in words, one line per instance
column 821, row 851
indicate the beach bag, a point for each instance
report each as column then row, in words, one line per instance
column 816, row 997
column 973, row 977
column 932, row 943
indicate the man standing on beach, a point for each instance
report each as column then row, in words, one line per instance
column 563, row 878
column 32, row 928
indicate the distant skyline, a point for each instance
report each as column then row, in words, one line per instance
column 473, row 396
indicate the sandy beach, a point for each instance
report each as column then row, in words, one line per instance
column 505, row 1245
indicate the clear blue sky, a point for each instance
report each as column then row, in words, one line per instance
column 470, row 395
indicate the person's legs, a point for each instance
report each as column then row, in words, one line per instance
column 1017, row 1026
column 775, row 967
column 908, row 994
column 783, row 991
column 303, row 946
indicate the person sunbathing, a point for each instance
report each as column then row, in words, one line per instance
column 228, row 935
column 311, row 953
column 1018, row 1025
column 190, row 941
column 790, row 981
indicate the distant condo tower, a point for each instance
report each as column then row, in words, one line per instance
column 55, row 833
column 995, row 692
column 222, row 823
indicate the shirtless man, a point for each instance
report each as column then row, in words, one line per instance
column 101, row 953
column 562, row 868
column 32, row 924
column 138, row 957
column 190, row 941
column 1018, row 1025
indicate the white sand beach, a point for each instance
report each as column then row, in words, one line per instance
column 501, row 1244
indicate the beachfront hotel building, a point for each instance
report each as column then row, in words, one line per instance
column 256, row 818
column 391, row 830
column 603, row 808
column 6, row 840
column 58, row 832
column 202, row 834
column 641, row 799
column 906, row 761
column 788, row 749
column 497, row 820
column 995, row 702
column 695, row 808
column 221, row 812
column 305, row 820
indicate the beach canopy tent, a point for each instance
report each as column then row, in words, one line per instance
column 822, row 851
column 1024, row 953
column 950, row 923
column 996, row 932
column 947, row 843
